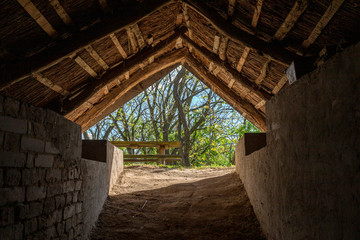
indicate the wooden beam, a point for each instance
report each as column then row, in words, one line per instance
column 48, row 83
column 127, row 96
column 187, row 19
column 280, row 84
column 138, row 36
column 220, row 88
column 131, row 64
column 162, row 62
column 61, row 12
column 131, row 38
column 117, row 44
column 222, row 48
column 263, row 72
column 325, row 19
column 257, row 12
column 231, row 83
column 86, row 67
column 173, row 144
column 296, row 11
column 231, row 8
column 246, row 83
column 240, row 36
column 260, row 104
column 242, row 59
column 104, row 5
column 38, row 17
column 216, row 44
column 97, row 57
column 15, row 71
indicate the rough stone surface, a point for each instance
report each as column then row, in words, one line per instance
column 305, row 184
column 98, row 180
column 38, row 151
column 44, row 160
column 32, row 144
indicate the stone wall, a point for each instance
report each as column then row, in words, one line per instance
column 305, row 184
column 99, row 176
column 40, row 177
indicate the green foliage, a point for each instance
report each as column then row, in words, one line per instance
column 214, row 126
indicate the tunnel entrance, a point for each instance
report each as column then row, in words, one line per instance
column 178, row 107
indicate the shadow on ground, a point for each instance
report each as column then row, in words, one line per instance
column 213, row 208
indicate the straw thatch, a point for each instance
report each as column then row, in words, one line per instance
column 130, row 38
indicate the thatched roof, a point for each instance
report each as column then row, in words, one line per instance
column 85, row 58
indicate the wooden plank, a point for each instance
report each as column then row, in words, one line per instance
column 280, row 84
column 241, row 105
column 325, row 19
column 242, row 59
column 237, row 35
column 231, row 8
column 231, row 83
column 161, row 156
column 223, row 48
column 120, row 70
column 131, row 38
column 216, row 44
column 117, row 44
column 257, row 12
column 48, row 83
column 86, row 67
column 38, row 17
column 149, row 160
column 97, row 57
column 104, row 5
column 187, row 19
column 138, row 36
column 246, row 83
column 263, row 72
column 296, row 11
column 162, row 62
column 61, row 12
column 260, row 104
column 174, row 144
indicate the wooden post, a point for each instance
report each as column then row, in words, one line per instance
column 161, row 151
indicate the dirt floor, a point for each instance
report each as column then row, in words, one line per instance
column 160, row 203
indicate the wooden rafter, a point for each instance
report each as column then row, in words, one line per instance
column 122, row 69
column 247, row 84
column 242, row 59
column 116, row 42
column 263, row 72
column 138, row 35
column 187, row 19
column 325, row 19
column 223, row 48
column 61, row 12
column 86, row 67
column 257, row 12
column 216, row 44
column 162, row 63
column 19, row 70
column 296, row 11
column 241, row 105
column 231, row 8
column 126, row 97
column 38, row 17
column 280, row 84
column 132, row 40
column 48, row 83
column 237, row 35
column 97, row 57
column 260, row 104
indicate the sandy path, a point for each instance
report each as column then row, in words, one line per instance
column 159, row 203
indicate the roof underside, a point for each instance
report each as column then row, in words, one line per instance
column 85, row 58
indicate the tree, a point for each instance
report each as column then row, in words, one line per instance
column 178, row 108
